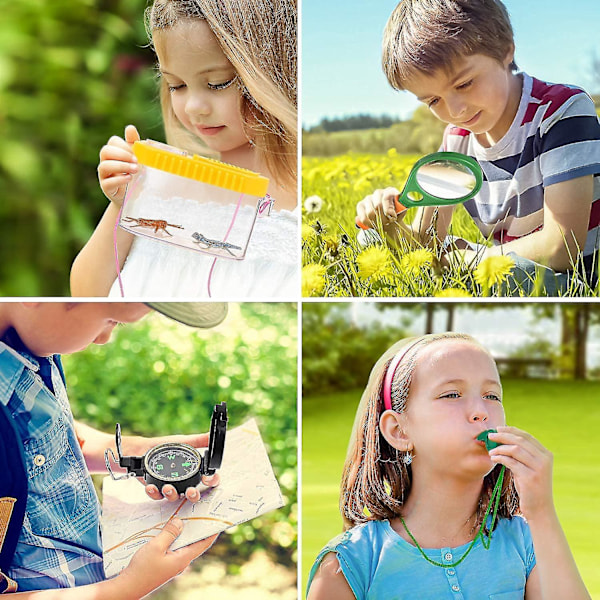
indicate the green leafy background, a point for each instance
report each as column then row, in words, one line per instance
column 72, row 74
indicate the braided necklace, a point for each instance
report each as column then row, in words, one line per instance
column 485, row 540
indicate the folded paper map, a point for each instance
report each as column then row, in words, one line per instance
column 248, row 489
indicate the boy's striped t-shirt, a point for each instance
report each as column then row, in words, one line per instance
column 554, row 137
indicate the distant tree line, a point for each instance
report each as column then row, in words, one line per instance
column 353, row 122
column 419, row 135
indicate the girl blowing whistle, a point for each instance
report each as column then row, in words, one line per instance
column 430, row 512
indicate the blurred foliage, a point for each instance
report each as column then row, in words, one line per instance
column 422, row 134
column 353, row 122
column 160, row 378
column 337, row 352
column 72, row 74
column 341, row 341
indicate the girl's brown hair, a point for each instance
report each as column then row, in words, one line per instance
column 422, row 36
column 259, row 38
column 376, row 481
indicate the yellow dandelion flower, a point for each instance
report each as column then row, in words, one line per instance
column 413, row 262
column 453, row 293
column 308, row 233
column 493, row 270
column 374, row 262
column 313, row 279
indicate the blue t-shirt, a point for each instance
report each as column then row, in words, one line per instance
column 379, row 564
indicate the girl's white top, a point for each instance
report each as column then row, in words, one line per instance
column 270, row 269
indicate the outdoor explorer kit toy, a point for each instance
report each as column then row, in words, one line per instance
column 181, row 465
column 192, row 201
column 439, row 179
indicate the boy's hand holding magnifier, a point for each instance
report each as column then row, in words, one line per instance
column 437, row 180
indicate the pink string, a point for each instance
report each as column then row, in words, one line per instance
column 128, row 192
column 212, row 267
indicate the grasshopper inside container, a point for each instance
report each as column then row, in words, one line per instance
column 192, row 201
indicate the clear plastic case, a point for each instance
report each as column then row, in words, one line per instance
column 192, row 201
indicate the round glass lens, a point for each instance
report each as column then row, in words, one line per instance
column 446, row 179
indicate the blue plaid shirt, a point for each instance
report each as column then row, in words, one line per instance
column 59, row 545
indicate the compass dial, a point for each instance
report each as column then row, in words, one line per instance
column 173, row 462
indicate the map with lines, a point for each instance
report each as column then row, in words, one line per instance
column 248, row 489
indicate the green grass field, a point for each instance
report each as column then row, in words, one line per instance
column 563, row 415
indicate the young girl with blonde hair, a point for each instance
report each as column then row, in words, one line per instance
column 229, row 90
column 429, row 511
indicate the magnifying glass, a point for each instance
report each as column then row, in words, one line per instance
column 438, row 179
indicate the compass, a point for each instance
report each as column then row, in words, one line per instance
column 180, row 465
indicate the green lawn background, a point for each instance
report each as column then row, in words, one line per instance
column 563, row 415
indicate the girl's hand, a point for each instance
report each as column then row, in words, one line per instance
column 531, row 466
column 154, row 564
column 380, row 203
column 117, row 165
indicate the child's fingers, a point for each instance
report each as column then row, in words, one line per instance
column 169, row 534
column 153, row 492
column 192, row 494
column 169, row 492
column 112, row 184
column 131, row 134
column 363, row 209
column 387, row 200
column 189, row 553
column 211, row 480
column 112, row 168
column 117, row 152
column 116, row 142
column 513, row 435
column 197, row 440
column 517, row 453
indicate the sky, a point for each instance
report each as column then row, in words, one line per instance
column 341, row 52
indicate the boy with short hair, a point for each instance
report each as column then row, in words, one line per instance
column 537, row 143
column 57, row 544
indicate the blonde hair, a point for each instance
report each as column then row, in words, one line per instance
column 422, row 36
column 259, row 38
column 375, row 481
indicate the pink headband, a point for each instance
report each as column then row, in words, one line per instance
column 391, row 371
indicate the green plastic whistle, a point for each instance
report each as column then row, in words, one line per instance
column 484, row 437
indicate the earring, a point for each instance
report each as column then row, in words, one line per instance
column 251, row 142
column 407, row 458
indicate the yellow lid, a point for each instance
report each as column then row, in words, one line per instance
column 172, row 160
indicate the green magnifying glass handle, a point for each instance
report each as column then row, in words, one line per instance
column 438, row 179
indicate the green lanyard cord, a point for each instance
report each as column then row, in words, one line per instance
column 486, row 541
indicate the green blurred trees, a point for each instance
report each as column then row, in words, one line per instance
column 72, row 73
column 422, row 134
column 339, row 350
column 160, row 378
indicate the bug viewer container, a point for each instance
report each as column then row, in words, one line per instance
column 192, row 201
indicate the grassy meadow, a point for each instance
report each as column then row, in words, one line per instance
column 562, row 415
column 336, row 265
